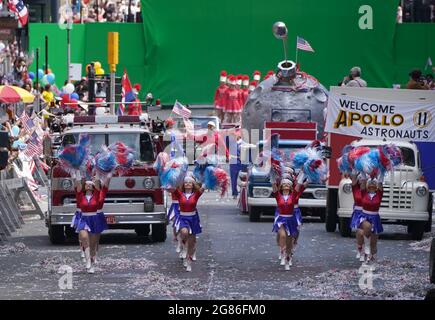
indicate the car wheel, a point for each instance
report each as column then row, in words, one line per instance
column 56, row 234
column 432, row 262
column 416, row 229
column 254, row 214
column 322, row 215
column 159, row 232
column 71, row 233
column 345, row 229
column 143, row 231
column 331, row 211
column 428, row 227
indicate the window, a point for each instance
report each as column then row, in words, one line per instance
column 97, row 140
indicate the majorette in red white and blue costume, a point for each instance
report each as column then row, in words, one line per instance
column 357, row 206
column 91, row 218
column 285, row 213
column 371, row 202
column 188, row 217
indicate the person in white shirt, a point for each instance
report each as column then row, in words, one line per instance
column 354, row 79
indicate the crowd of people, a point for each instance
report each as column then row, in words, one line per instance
column 106, row 11
column 416, row 11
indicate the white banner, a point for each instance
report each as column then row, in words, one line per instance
column 376, row 119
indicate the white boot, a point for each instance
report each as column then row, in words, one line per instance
column 359, row 252
column 194, row 256
column 88, row 258
column 366, row 245
column 82, row 255
column 283, row 259
column 189, row 264
column 288, row 263
column 179, row 246
column 183, row 253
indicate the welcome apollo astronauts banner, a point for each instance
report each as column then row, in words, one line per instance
column 375, row 119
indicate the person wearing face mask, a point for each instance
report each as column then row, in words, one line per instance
column 188, row 222
column 368, row 219
column 286, row 222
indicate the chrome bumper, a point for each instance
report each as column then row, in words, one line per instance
column 271, row 202
column 124, row 214
column 390, row 214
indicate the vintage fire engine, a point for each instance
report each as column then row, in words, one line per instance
column 135, row 199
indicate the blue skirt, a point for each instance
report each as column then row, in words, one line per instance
column 173, row 213
column 298, row 214
column 94, row 224
column 191, row 223
column 290, row 224
column 354, row 221
column 373, row 219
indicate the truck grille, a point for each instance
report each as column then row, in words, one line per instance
column 397, row 198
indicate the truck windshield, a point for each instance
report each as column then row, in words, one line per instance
column 140, row 143
column 198, row 123
column 407, row 155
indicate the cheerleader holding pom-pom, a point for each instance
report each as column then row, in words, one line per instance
column 188, row 222
column 286, row 222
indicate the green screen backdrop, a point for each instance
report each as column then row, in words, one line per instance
column 179, row 50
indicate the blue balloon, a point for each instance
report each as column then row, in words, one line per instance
column 40, row 74
column 15, row 131
column 31, row 75
column 50, row 78
column 74, row 96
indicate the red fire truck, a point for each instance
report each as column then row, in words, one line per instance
column 135, row 199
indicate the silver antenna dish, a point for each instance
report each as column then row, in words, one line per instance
column 280, row 31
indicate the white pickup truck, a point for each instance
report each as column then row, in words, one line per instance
column 406, row 198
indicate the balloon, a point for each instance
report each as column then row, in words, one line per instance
column 15, row 131
column 50, row 78
column 69, row 88
column 97, row 65
column 74, row 96
column 31, row 75
column 40, row 74
column 99, row 71
column 44, row 81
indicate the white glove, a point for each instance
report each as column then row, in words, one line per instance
column 78, row 175
column 363, row 176
column 381, row 177
column 301, row 177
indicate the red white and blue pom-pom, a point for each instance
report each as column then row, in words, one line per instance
column 344, row 164
column 160, row 163
column 315, row 170
column 73, row 157
column 174, row 173
column 216, row 179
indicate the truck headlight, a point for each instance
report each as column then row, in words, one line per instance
column 320, row 194
column 66, row 184
column 261, row 192
column 347, row 188
column 148, row 183
column 421, row 191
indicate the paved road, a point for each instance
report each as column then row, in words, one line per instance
column 237, row 259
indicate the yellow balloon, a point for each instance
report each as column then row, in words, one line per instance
column 97, row 65
column 99, row 71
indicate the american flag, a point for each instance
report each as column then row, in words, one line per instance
column 303, row 44
column 18, row 7
column 181, row 110
column 126, row 93
column 27, row 122
column 34, row 146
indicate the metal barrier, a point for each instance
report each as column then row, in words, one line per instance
column 15, row 194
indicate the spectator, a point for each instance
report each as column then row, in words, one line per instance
column 416, row 82
column 48, row 95
column 354, row 79
column 399, row 18
column 430, row 82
